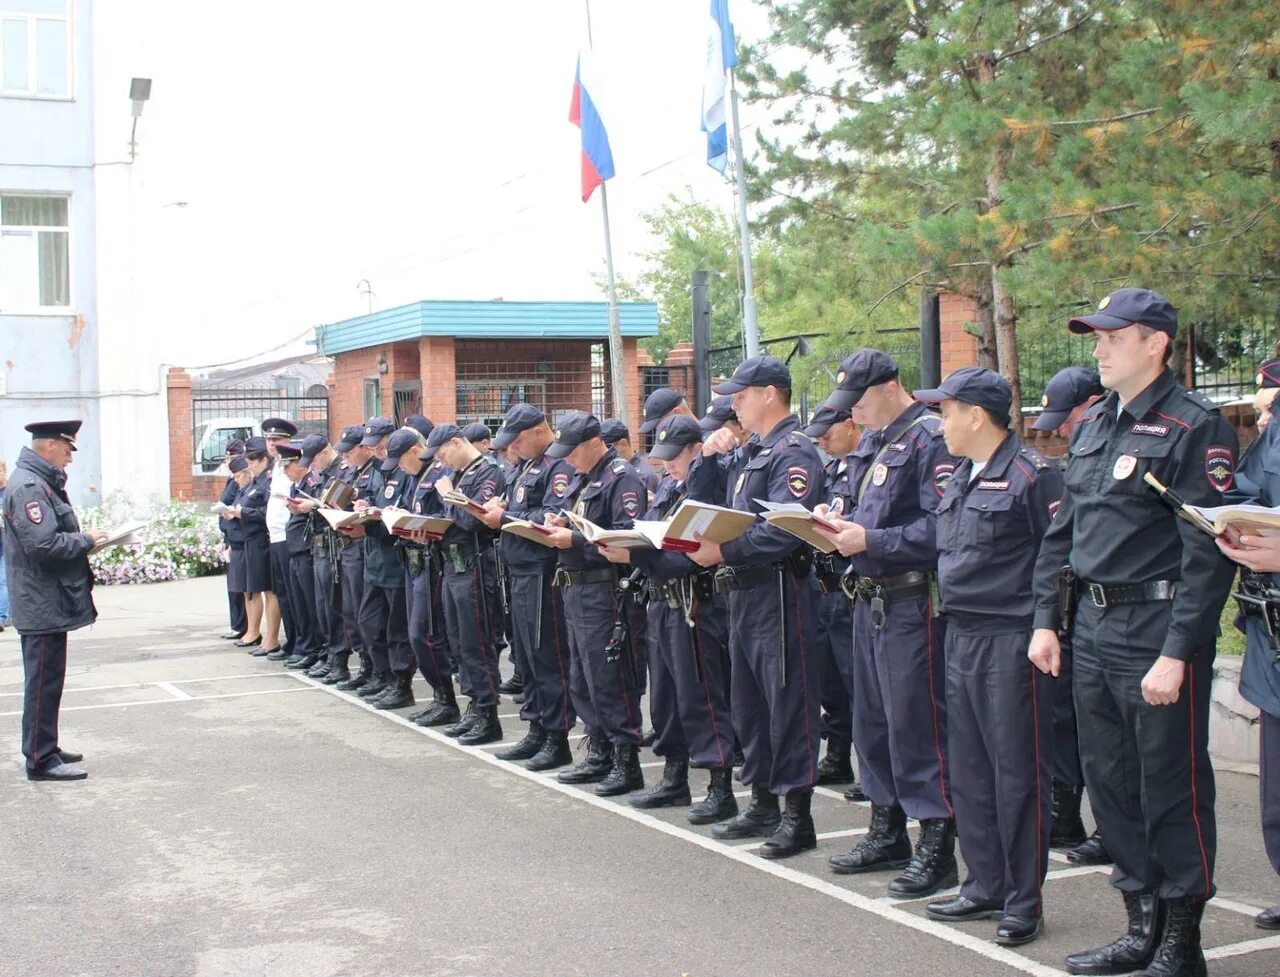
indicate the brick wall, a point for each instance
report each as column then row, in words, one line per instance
column 346, row 392
column 959, row 348
column 178, row 383
column 437, row 361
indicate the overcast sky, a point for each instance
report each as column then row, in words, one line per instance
column 419, row 144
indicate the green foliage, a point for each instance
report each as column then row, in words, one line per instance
column 181, row 541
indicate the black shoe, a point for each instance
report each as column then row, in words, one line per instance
column 464, row 722
column 1136, row 948
column 276, row 654
column 249, row 644
column 528, row 747
column 719, row 804
column 886, row 844
column 59, row 772
column 511, row 686
column 261, row 652
column 933, row 864
column 1092, row 852
column 836, row 767
column 1066, row 829
column 1180, row 953
column 338, row 671
column 518, row 698
column 298, row 664
column 596, row 765
column 1268, row 919
column 555, row 753
column 442, row 712
column 796, row 833
column 671, row 791
column 854, row 794
column 487, row 728
column 960, row 908
column 1017, row 930
column 648, row 737
column 361, row 678
column 229, row 636
column 375, row 686
column 399, row 692
column 321, row 667
column 66, row 756
column 625, row 775
column 760, row 820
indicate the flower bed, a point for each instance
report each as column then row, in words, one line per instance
column 181, row 541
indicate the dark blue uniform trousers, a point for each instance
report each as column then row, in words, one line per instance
column 469, row 598
column 899, row 707
column 689, row 682
column 351, row 584
column 235, row 606
column 835, row 644
column 1146, row 767
column 428, row 635
column 541, row 646
column 999, row 730
column 328, row 601
column 1270, row 786
column 776, row 721
column 613, row 701
column 279, row 553
column 302, row 601
column 1066, row 745
column 44, row 669
column 384, row 624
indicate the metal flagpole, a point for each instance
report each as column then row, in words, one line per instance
column 750, row 326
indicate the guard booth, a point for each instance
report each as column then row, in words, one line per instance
column 471, row 361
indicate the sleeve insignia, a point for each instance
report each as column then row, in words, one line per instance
column 798, row 481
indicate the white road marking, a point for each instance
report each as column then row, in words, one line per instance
column 154, row 702
column 142, row 685
column 1240, row 949
column 1236, row 907
column 173, row 690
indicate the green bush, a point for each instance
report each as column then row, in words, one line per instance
column 181, row 541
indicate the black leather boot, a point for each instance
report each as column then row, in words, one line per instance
column 1092, row 852
column 399, row 692
column 886, row 844
column 1136, row 948
column 528, row 747
column 1066, row 830
column 1268, row 919
column 836, row 767
column 338, row 671
column 1179, row 953
column 487, row 728
column 443, row 710
column 303, row 663
column 512, row 686
column 795, row 834
column 933, row 865
column 719, row 804
column 854, row 793
column 625, row 776
column 464, row 723
column 555, row 753
column 760, row 820
column 375, row 686
column 321, row 667
column 671, row 791
column 598, row 762
column 362, row 677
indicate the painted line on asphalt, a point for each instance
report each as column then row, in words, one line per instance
column 143, row 685
column 173, row 690
column 1240, row 949
column 1236, row 907
column 154, row 702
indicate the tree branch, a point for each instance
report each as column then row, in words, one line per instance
column 1140, row 113
column 1070, row 28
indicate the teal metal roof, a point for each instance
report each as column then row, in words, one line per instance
column 486, row 320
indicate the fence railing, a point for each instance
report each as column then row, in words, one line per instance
column 222, row 415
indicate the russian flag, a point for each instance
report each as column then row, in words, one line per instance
column 722, row 54
column 597, row 157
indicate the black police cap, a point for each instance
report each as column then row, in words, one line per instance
column 237, row 464
column 235, row 446
column 375, row 429
column 658, row 405
column 674, row 435
column 575, row 428
column 1126, row 306
column 477, row 432
column 290, row 450
column 440, row 434
column 56, row 430
column 1066, row 390
column 756, row 371
column 1269, row 374
column 823, row 419
column 401, row 441
column 972, row 385
column 420, row 423
column 520, row 418
column 255, row 448
column 721, row 410
column 351, row 438
column 613, row 430
column 860, row 371
column 279, row 427
column 312, row 445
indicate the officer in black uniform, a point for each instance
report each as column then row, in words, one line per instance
column 350, row 553
column 603, row 617
column 991, row 520
column 235, row 597
column 470, row 580
column 772, row 612
column 332, row 644
column 899, row 710
column 1067, row 395
column 302, row 578
column 837, row 436
column 1151, row 589
column 540, row 485
column 277, row 431
column 479, row 435
column 616, row 435
column 50, row 587
column 720, row 414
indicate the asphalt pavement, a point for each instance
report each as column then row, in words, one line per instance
column 241, row 820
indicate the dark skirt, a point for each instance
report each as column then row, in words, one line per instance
column 235, row 571
column 257, row 566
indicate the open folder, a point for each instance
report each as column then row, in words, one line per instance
column 793, row 518
column 689, row 525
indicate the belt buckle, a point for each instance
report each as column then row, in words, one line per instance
column 1098, row 594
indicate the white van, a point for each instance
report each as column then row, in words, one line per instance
column 210, row 440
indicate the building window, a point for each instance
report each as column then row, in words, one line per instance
column 372, row 397
column 34, row 247
column 35, row 48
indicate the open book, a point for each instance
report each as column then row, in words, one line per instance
column 457, row 498
column 125, row 534
column 691, row 523
column 793, row 518
column 337, row 519
column 1228, row 521
column 525, row 529
column 401, row 521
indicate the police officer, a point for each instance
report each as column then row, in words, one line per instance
column 233, row 533
column 332, row 644
column 603, row 618
column 277, row 431
column 1067, row 395
column 235, row 577
column 250, row 509
column 688, row 647
column 539, row 641
column 899, row 711
column 298, row 535
column 617, row 436
column 837, row 436
column 992, row 517
column 772, row 609
column 1151, row 589
column 350, row 565
column 720, row 414
column 50, row 585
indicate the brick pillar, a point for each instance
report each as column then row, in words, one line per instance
column 959, row 347
column 437, row 364
column 335, row 424
column 635, row 398
column 181, row 481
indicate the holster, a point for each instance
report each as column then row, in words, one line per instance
column 1258, row 599
column 1068, row 595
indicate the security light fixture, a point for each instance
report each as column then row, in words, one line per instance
column 139, row 93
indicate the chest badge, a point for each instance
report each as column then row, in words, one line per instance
column 389, row 491
column 520, row 494
column 837, row 505
column 742, row 480
column 1124, row 467
column 879, row 474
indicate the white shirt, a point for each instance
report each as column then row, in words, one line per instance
column 277, row 507
column 976, row 470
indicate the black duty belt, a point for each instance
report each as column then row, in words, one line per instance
column 828, row 582
column 576, row 578
column 1110, row 595
column 740, row 578
column 669, row 591
column 889, row 589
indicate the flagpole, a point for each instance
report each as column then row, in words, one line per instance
column 750, row 326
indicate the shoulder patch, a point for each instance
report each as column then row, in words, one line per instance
column 35, row 514
column 1219, row 466
column 631, row 504
column 798, row 481
column 941, row 475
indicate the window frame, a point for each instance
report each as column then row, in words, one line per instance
column 46, row 310
column 68, row 22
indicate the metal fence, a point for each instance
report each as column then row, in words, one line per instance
column 222, row 415
column 555, row 378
